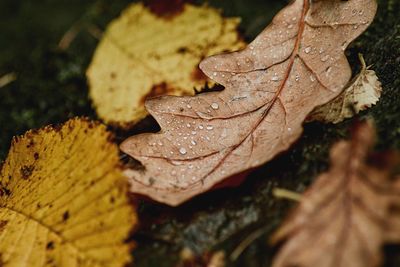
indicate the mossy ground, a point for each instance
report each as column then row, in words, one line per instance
column 51, row 87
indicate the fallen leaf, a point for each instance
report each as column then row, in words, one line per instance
column 217, row 259
column 349, row 212
column 143, row 55
column 361, row 93
column 63, row 199
column 209, row 259
column 296, row 64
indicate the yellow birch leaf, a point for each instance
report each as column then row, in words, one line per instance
column 63, row 200
column 142, row 55
column 361, row 93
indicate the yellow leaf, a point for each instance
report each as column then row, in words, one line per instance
column 63, row 200
column 142, row 55
column 361, row 93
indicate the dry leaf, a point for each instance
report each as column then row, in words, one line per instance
column 63, row 199
column 349, row 212
column 143, row 55
column 361, row 93
column 296, row 64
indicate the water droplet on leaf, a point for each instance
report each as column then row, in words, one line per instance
column 325, row 58
column 214, row 106
column 275, row 78
column 182, row 150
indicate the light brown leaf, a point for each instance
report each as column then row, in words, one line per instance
column 208, row 259
column 63, row 200
column 143, row 55
column 296, row 64
column 348, row 213
column 361, row 93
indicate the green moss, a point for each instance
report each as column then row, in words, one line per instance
column 51, row 87
column 381, row 47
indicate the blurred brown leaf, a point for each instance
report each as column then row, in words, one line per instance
column 349, row 212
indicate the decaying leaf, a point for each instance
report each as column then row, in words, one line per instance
column 361, row 93
column 63, row 199
column 144, row 55
column 296, row 64
column 348, row 213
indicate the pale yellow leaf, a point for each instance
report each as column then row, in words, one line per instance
column 142, row 55
column 63, row 200
column 361, row 93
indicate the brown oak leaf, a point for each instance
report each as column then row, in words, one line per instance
column 296, row 64
column 348, row 213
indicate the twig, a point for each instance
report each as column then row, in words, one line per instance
column 246, row 242
column 94, row 31
column 284, row 193
column 7, row 78
column 70, row 35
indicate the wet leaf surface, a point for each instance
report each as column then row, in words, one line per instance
column 294, row 65
column 51, row 88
